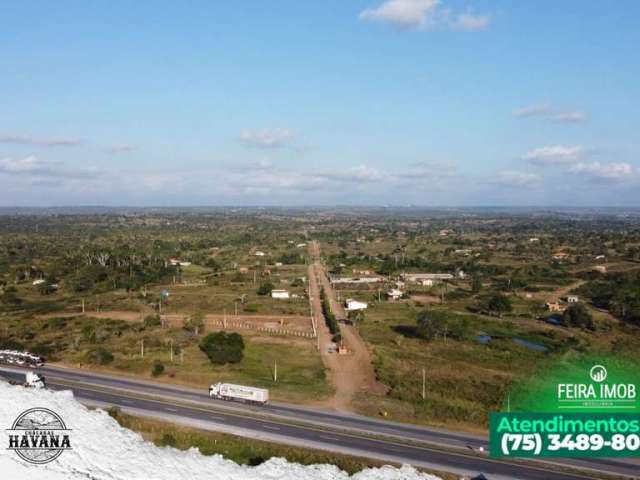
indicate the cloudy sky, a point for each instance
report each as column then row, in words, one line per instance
column 449, row 102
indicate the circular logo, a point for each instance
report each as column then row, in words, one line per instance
column 598, row 373
column 39, row 436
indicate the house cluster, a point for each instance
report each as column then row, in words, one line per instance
column 561, row 305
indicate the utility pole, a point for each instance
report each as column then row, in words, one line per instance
column 171, row 350
column 235, row 304
column 224, row 318
column 83, row 305
column 424, row 384
column 275, row 370
column 142, row 348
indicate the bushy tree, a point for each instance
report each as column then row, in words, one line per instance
column 496, row 304
column 430, row 325
column 223, row 347
column 265, row 288
column 578, row 316
column 157, row 368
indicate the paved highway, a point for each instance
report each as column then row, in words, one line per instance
column 301, row 426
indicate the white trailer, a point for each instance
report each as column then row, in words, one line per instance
column 229, row 391
column 32, row 380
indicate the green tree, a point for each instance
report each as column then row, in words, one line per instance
column 157, row 368
column 265, row 288
column 578, row 316
column 498, row 304
column 223, row 347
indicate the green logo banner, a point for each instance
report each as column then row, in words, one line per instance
column 583, row 408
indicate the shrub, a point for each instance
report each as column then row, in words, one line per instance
column 157, row 368
column 251, row 308
column 265, row 288
column 99, row 355
column 223, row 347
column 152, row 321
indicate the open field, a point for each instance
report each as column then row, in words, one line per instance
column 162, row 281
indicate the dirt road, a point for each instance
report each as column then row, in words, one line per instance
column 351, row 373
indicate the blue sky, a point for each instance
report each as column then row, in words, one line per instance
column 478, row 102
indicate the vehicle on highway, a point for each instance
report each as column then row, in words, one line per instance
column 32, row 380
column 15, row 357
column 241, row 393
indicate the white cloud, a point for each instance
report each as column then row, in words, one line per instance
column 421, row 14
column 548, row 111
column 36, row 169
column 554, row 155
column 515, row 179
column 360, row 173
column 266, row 138
column 21, row 166
column 606, row 172
column 570, row 117
column 120, row 148
column 470, row 22
column 40, row 142
column 261, row 164
column 536, row 110
column 404, row 13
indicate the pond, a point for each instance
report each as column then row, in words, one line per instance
column 531, row 345
column 486, row 339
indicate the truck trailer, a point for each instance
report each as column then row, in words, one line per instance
column 32, row 380
column 241, row 393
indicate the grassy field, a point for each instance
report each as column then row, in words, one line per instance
column 465, row 379
column 241, row 450
column 79, row 341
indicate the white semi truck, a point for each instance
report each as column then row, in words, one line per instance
column 241, row 393
column 32, row 380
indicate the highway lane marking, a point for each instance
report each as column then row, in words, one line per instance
column 270, row 427
column 379, row 441
column 333, row 439
column 171, row 409
column 212, row 417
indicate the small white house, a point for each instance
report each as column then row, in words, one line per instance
column 175, row 262
column 572, row 299
column 40, row 281
column 259, row 254
column 301, row 245
column 354, row 305
column 427, row 282
column 280, row 294
column 394, row 294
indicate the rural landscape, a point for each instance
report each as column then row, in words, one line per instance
column 339, row 240
column 420, row 316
